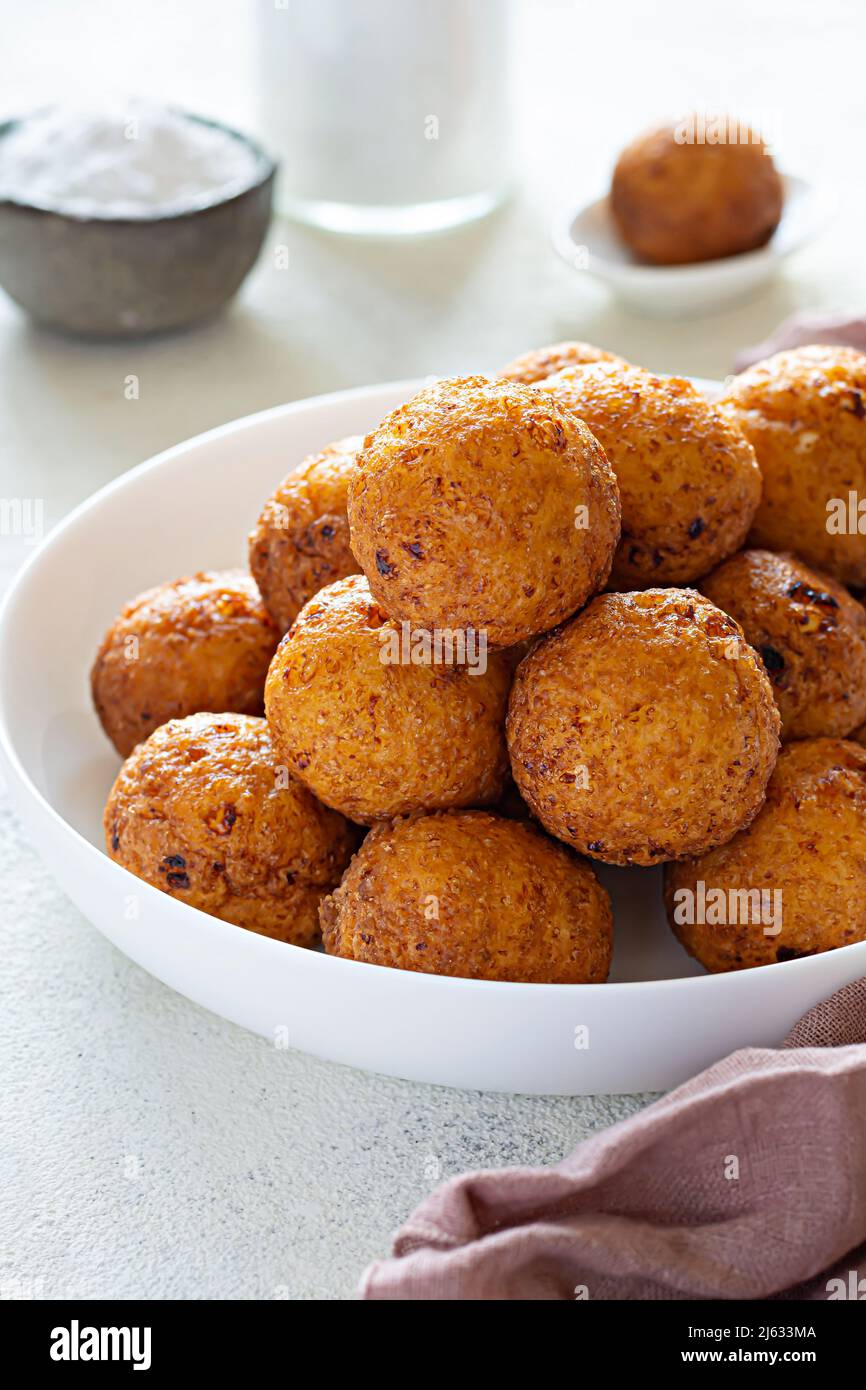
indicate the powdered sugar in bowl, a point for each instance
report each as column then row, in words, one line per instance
column 128, row 222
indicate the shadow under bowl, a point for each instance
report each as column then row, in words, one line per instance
column 105, row 277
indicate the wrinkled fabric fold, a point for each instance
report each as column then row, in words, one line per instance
column 836, row 330
column 747, row 1182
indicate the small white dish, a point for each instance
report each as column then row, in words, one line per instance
column 588, row 241
column 659, row 1020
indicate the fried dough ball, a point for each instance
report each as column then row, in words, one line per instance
column 676, row 199
column 805, row 414
column 643, row 730
column 200, row 643
column 688, row 479
column 535, row 366
column 376, row 719
column 810, row 634
column 793, row 883
column 203, row 811
column 301, row 540
column 467, row 893
column 483, row 504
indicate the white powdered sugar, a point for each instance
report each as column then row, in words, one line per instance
column 135, row 161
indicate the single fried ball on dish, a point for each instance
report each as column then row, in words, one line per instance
column 645, row 729
column 804, row 412
column 680, row 193
column 810, row 634
column 688, row 479
column 535, row 366
column 301, row 540
column 470, row 894
column 200, row 643
column 793, row 883
column 379, row 719
column 483, row 504
column 203, row 810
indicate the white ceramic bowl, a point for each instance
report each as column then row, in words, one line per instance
column 659, row 1021
column 589, row 242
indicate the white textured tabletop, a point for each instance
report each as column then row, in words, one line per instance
column 149, row 1148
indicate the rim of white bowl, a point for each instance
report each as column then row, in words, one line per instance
column 820, row 205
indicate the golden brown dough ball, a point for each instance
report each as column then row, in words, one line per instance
column 805, row 414
column 483, row 504
column 535, row 366
column 301, row 540
column 377, row 719
column 467, row 893
column 203, row 811
column 676, row 197
column 688, row 479
column 794, row 882
column 810, row 634
column 200, row 643
column 643, row 730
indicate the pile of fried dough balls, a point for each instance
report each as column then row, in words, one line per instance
column 563, row 615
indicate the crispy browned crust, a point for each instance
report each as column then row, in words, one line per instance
column 301, row 540
column 674, row 203
column 467, row 893
column 809, row 632
column 808, row 843
column 645, row 729
column 805, row 414
column 533, row 367
column 203, row 642
column 468, row 510
column 688, row 479
column 203, row 811
column 377, row 738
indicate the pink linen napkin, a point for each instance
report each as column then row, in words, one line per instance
column 839, row 330
column 747, row 1182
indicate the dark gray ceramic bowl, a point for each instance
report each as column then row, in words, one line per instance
column 127, row 277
